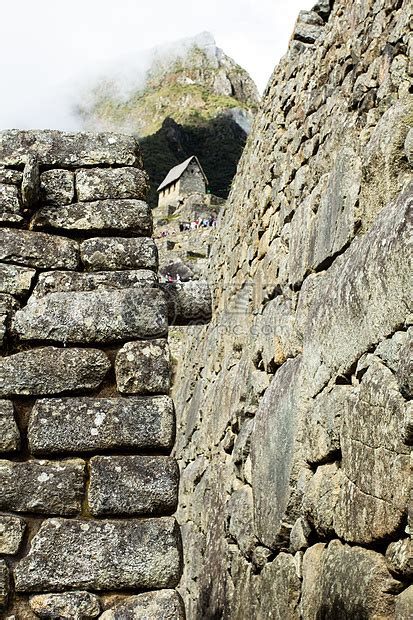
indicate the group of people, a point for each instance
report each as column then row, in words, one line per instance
column 201, row 222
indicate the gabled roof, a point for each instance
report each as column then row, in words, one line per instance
column 175, row 173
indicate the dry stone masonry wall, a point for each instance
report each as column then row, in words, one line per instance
column 88, row 486
column 295, row 420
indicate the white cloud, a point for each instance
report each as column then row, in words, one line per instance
column 49, row 49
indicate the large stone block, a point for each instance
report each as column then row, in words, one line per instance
column 164, row 604
column 101, row 183
column 9, row 432
column 10, row 210
column 322, row 423
column 279, row 590
column 132, row 217
column 45, row 487
column 93, row 316
column 362, row 298
column 101, row 555
column 275, row 466
column 68, row 150
column 78, row 605
column 133, row 485
column 52, row 371
column 188, row 302
column 375, row 461
column 15, row 280
column 67, row 425
column 11, row 534
column 143, row 367
column 57, row 187
column 404, row 605
column 63, row 281
column 320, row 498
column 119, row 253
column 37, row 249
column 340, row 581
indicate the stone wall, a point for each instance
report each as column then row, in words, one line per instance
column 88, row 486
column 294, row 411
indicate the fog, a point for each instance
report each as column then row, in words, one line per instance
column 52, row 53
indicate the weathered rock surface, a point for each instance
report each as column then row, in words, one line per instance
column 188, row 302
column 10, row 177
column 63, row 281
column 4, row 583
column 57, row 187
column 279, row 582
column 45, row 487
column 36, row 249
column 274, row 466
column 165, row 604
column 404, row 604
column 79, row 605
column 100, row 183
column 375, row 461
column 132, row 217
column 133, row 485
column 101, row 555
column 143, row 367
column 67, row 425
column 68, row 150
column 8, row 307
column 52, row 371
column 119, row 253
column 10, row 208
column 15, row 280
column 93, row 316
column 320, row 498
column 342, row 581
column 9, row 432
column 11, row 534
column 30, row 189
column 399, row 558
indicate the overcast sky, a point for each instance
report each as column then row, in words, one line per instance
column 49, row 49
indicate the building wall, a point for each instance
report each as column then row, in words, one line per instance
column 192, row 180
column 294, row 412
column 83, row 394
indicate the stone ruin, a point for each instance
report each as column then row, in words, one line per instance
column 88, row 483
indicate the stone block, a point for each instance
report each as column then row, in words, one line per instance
column 37, row 249
column 51, row 371
column 15, row 280
column 375, row 461
column 322, row 423
column 10, row 177
column 399, row 557
column 320, row 498
column 64, row 281
column 78, row 605
column 101, row 183
column 93, row 316
column 101, row 555
column 279, row 589
column 30, row 189
column 10, row 209
column 188, row 302
column 240, row 519
column 275, row 467
column 119, row 253
column 143, row 367
column 132, row 217
column 362, row 298
column 133, row 485
column 11, row 534
column 57, row 187
column 68, row 150
column 67, row 425
column 42, row 487
column 165, row 604
column 404, row 605
column 4, row 584
column 8, row 307
column 9, row 432
column 340, row 581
